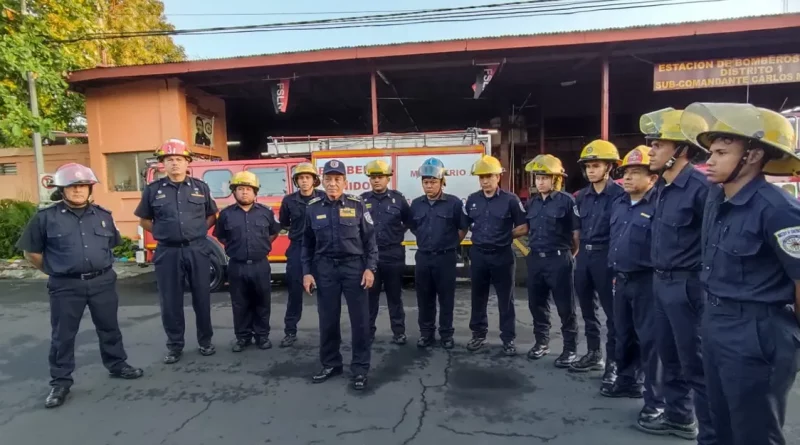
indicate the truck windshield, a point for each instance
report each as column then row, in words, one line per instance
column 273, row 180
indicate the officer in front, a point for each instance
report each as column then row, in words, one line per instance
column 634, row 309
column 72, row 242
column 437, row 221
column 553, row 239
column 340, row 256
column 681, row 194
column 292, row 216
column 496, row 217
column 389, row 210
column 247, row 231
column 592, row 274
column 751, row 269
column 179, row 210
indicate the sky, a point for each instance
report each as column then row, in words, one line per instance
column 186, row 14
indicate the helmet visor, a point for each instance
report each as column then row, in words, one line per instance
column 431, row 171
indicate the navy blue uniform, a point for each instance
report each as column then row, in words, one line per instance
column 751, row 259
column 676, row 233
column 551, row 223
column 179, row 212
column 338, row 246
column 592, row 273
column 292, row 216
column 492, row 261
column 76, row 245
column 634, row 308
column 436, row 225
column 390, row 212
column 246, row 235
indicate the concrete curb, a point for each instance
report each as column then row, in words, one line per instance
column 22, row 270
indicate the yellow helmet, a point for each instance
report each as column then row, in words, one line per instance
column 487, row 165
column 545, row 165
column 638, row 156
column 378, row 168
column 746, row 121
column 245, row 178
column 305, row 168
column 600, row 150
column 664, row 124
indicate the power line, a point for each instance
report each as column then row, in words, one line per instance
column 254, row 14
column 517, row 9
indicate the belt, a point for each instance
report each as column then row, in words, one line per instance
column 248, row 261
column 551, row 253
column 676, row 273
column 341, row 260
column 390, row 246
column 84, row 276
column 178, row 243
column 628, row 276
column 437, row 252
column 729, row 303
column 592, row 247
column 491, row 249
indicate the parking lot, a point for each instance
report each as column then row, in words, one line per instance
column 414, row 397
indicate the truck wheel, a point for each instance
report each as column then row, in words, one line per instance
column 217, row 274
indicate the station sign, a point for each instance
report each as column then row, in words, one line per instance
column 719, row 73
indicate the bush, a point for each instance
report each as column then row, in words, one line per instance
column 125, row 250
column 14, row 216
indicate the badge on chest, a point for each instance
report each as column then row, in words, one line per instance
column 347, row 213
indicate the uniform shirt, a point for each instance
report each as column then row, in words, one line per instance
column 390, row 212
column 178, row 210
column 246, row 234
column 678, row 221
column 292, row 213
column 631, row 233
column 551, row 222
column 72, row 241
column 751, row 244
column 338, row 229
column 492, row 219
column 435, row 223
column 595, row 212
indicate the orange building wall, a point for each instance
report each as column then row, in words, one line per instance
column 137, row 117
column 24, row 186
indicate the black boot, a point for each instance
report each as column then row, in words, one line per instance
column 57, row 396
column 476, row 343
column 425, row 342
column 610, row 374
column 240, row 345
column 325, row 373
column 263, row 343
column 126, row 372
column 288, row 340
column 172, row 357
column 360, row 382
column 538, row 351
column 566, row 359
column 592, row 361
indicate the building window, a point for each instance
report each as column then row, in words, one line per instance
column 272, row 180
column 219, row 181
column 127, row 171
column 8, row 169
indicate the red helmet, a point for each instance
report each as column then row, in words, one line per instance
column 173, row 147
column 74, row 174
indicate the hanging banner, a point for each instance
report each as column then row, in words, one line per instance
column 484, row 77
column 280, row 96
column 717, row 73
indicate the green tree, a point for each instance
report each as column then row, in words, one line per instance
column 29, row 43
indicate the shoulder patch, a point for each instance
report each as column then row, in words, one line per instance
column 368, row 218
column 315, row 200
column 575, row 211
column 354, row 198
column 789, row 241
column 521, row 206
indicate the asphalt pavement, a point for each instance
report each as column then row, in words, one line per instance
column 415, row 396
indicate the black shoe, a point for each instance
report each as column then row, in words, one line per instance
column 263, row 343
column 566, row 359
column 360, row 382
column 425, row 342
column 509, row 348
column 661, row 426
column 592, row 361
column 649, row 415
column 325, row 373
column 288, row 340
column 620, row 391
column 610, row 374
column 206, row 351
column 126, row 372
column 57, row 396
column 538, row 351
column 240, row 345
column 172, row 357
column 399, row 339
column 476, row 343
column 448, row 343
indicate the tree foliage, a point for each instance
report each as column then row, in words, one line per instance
column 30, row 43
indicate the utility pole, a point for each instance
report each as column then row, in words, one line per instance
column 785, row 6
column 37, row 138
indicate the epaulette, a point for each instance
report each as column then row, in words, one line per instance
column 49, row 206
column 315, row 200
column 102, row 208
column 353, row 198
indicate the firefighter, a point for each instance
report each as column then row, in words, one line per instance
column 389, row 210
column 178, row 210
column 339, row 242
column 292, row 216
column 553, row 239
column 634, row 311
column 592, row 273
column 751, row 269
column 72, row 241
column 248, row 230
column 496, row 217
column 437, row 221
column 681, row 193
